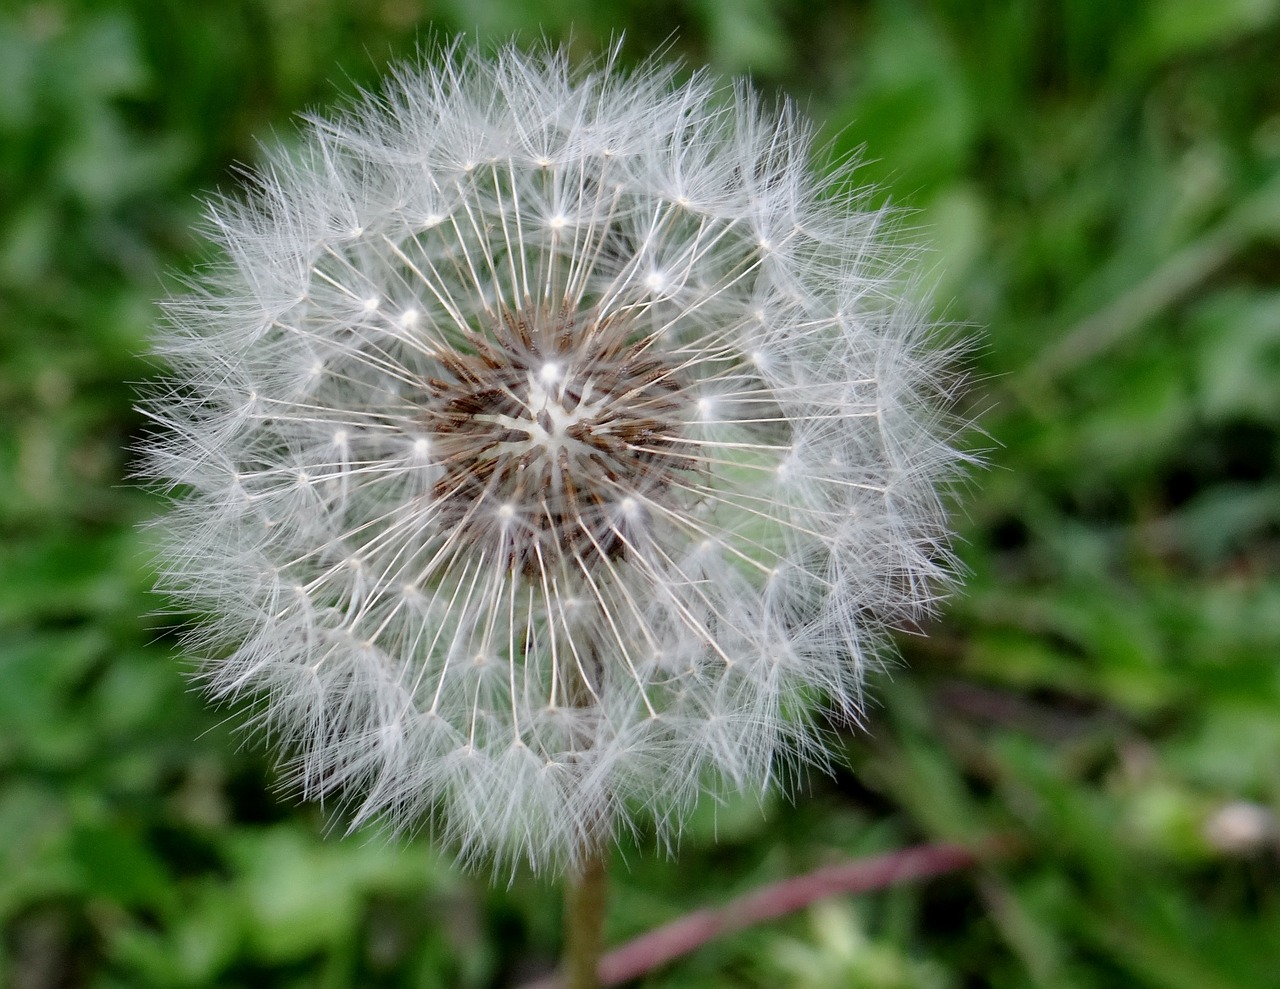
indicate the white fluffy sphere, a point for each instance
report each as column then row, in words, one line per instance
column 547, row 443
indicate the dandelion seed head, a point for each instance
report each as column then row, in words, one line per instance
column 547, row 439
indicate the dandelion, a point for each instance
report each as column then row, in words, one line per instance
column 549, row 441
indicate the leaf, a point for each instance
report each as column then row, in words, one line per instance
column 117, row 865
column 1177, row 26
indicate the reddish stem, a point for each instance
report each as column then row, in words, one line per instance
column 681, row 936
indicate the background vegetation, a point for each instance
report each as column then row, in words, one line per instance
column 1100, row 184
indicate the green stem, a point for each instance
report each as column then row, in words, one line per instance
column 584, row 904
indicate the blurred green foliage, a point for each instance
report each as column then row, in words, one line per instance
column 1100, row 185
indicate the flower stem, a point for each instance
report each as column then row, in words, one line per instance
column 778, row 899
column 660, row 946
column 584, row 904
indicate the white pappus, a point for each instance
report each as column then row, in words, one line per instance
column 546, row 443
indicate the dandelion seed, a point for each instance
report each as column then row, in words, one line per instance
column 585, row 435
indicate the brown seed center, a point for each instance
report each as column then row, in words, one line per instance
column 554, row 434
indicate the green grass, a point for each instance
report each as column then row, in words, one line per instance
column 1099, row 185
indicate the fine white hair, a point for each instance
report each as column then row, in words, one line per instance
column 549, row 443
